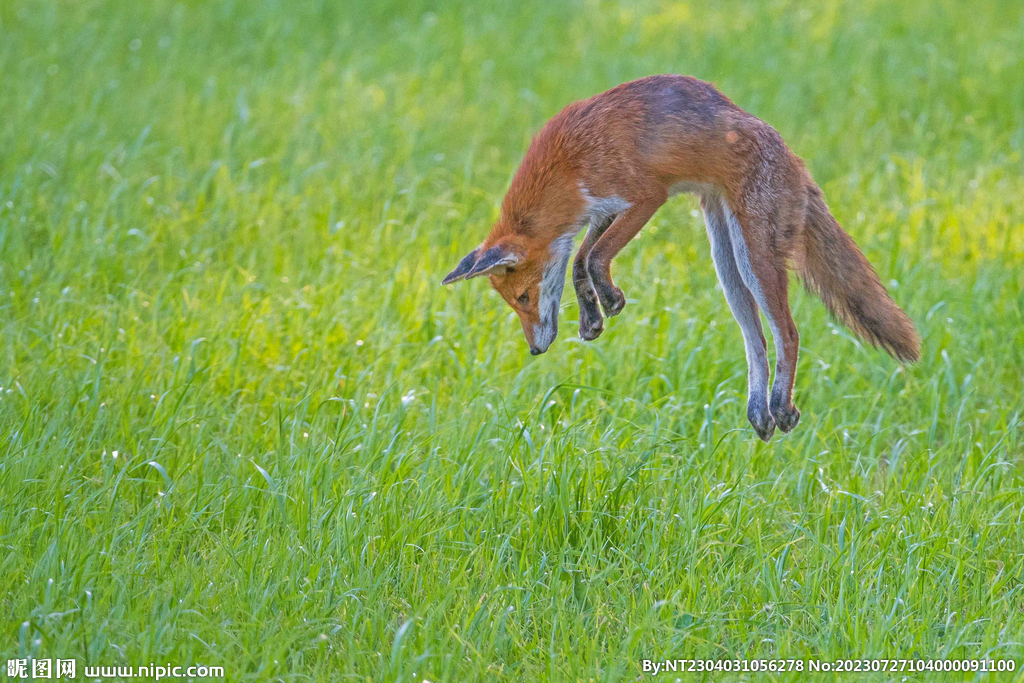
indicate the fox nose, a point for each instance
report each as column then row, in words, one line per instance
column 534, row 351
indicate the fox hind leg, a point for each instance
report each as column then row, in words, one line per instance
column 744, row 308
column 764, row 273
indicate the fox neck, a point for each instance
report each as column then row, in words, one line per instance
column 540, row 208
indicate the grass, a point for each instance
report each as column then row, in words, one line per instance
column 242, row 424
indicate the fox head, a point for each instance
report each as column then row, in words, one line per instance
column 529, row 277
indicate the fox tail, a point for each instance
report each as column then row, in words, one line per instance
column 834, row 269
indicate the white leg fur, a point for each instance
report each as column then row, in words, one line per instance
column 742, row 255
column 730, row 263
column 599, row 209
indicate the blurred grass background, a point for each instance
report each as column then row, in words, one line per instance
column 242, row 425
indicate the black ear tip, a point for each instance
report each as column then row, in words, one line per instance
column 465, row 265
column 454, row 276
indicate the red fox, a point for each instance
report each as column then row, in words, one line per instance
column 608, row 163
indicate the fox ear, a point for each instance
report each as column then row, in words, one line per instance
column 461, row 270
column 494, row 261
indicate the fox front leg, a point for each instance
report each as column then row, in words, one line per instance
column 624, row 228
column 591, row 320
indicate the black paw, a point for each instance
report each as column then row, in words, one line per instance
column 786, row 417
column 590, row 327
column 591, row 322
column 761, row 420
column 612, row 300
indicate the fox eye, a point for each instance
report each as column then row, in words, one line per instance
column 524, row 299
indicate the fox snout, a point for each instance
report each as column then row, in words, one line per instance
column 543, row 336
column 539, row 334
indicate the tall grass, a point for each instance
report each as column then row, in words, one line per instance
column 242, row 424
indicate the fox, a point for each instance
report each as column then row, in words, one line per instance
column 608, row 163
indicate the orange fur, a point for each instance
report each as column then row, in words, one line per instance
column 609, row 162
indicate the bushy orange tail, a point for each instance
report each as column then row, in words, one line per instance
column 833, row 268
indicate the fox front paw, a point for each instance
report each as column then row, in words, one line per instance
column 612, row 300
column 591, row 327
column 591, row 322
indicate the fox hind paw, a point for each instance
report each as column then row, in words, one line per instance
column 762, row 422
column 786, row 417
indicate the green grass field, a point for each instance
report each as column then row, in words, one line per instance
column 242, row 424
